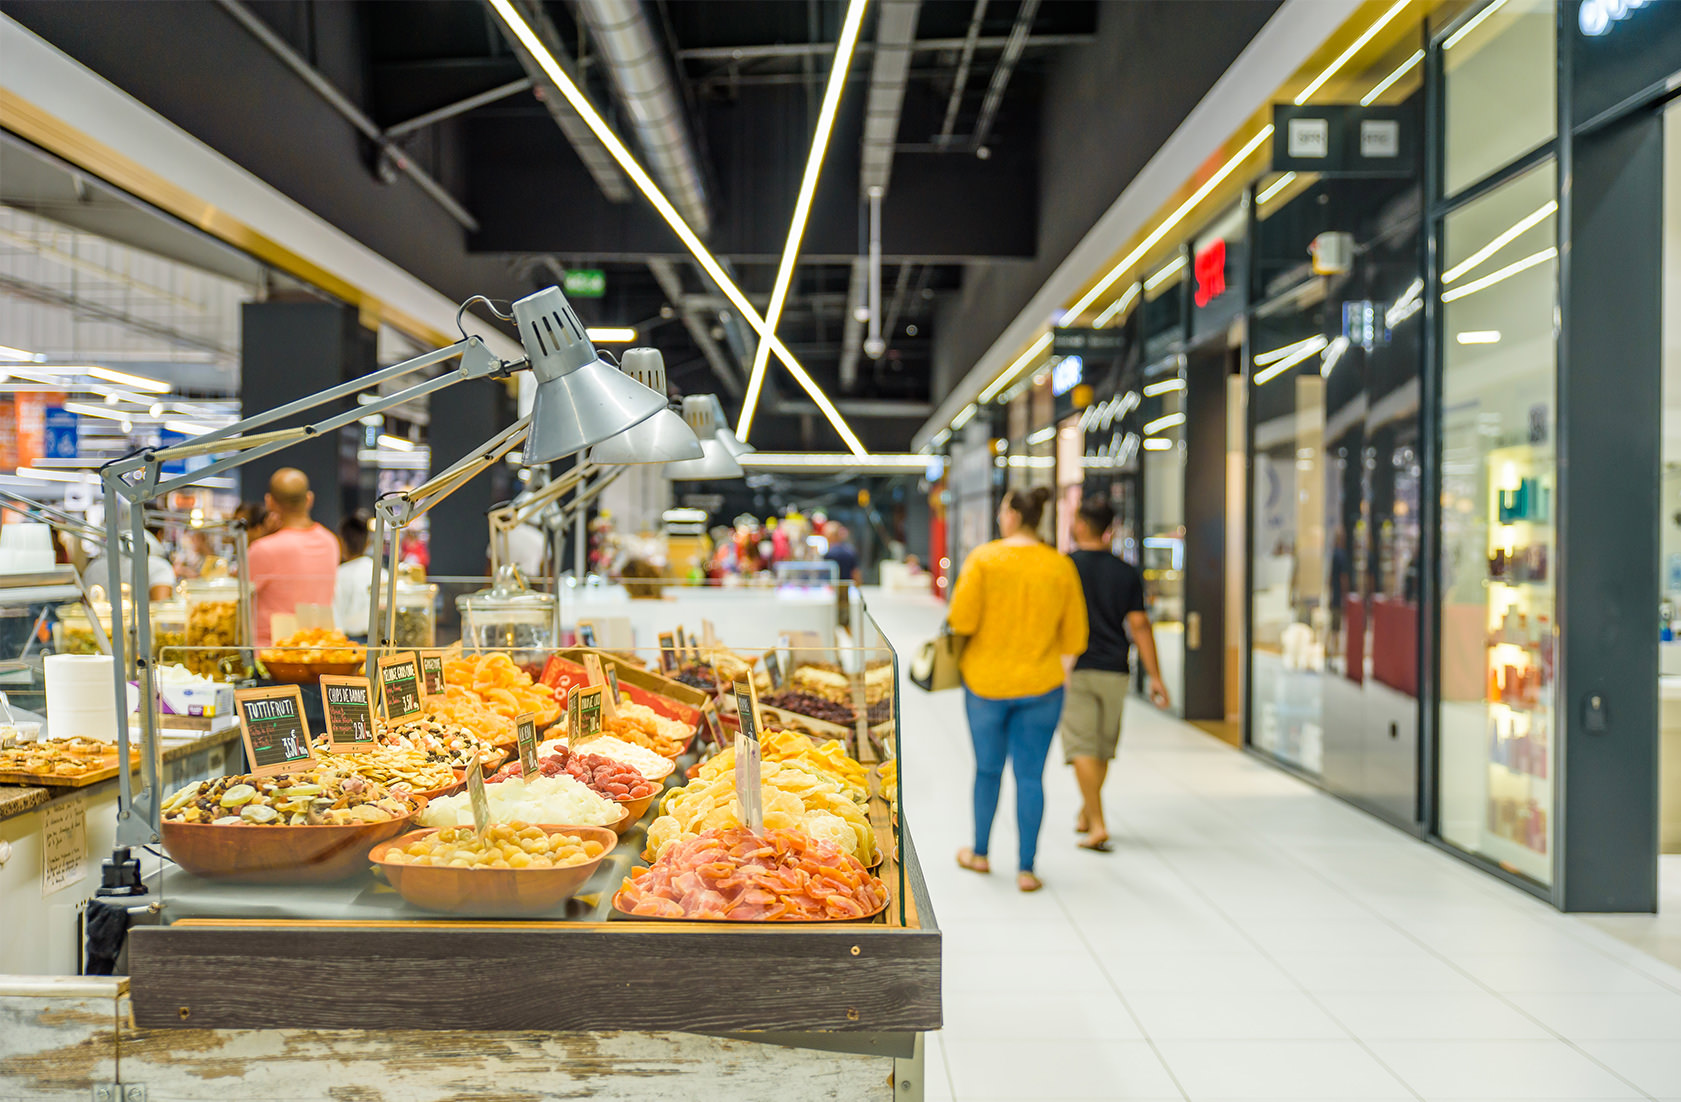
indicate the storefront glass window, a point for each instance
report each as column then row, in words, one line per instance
column 1164, row 525
column 1500, row 88
column 1499, row 550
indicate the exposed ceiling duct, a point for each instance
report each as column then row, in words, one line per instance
column 646, row 88
column 596, row 159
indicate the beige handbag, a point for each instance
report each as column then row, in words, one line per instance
column 935, row 666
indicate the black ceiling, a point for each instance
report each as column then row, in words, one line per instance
column 750, row 75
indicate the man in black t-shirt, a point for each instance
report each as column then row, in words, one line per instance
column 1097, row 684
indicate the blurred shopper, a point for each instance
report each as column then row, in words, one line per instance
column 297, row 563
column 258, row 520
column 160, row 573
column 1097, row 685
column 355, row 576
column 842, row 553
column 1019, row 603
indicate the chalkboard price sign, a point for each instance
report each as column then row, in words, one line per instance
column 349, row 706
column 748, row 770
column 773, row 669
column 271, row 722
column 432, row 681
column 525, row 733
column 668, row 652
column 476, row 795
column 613, row 692
column 399, row 686
column 586, row 634
column 609, row 700
column 583, row 712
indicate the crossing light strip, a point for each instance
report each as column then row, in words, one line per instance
column 1501, row 241
column 802, row 208
column 645, row 184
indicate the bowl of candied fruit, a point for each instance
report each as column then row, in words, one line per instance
column 510, row 869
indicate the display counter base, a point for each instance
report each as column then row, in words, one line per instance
column 74, row 1038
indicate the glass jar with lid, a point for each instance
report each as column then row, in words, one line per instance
column 417, row 609
column 74, row 632
column 509, row 616
column 214, row 632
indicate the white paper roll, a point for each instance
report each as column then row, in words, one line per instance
column 80, row 697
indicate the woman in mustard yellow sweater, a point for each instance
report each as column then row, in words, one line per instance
column 1019, row 602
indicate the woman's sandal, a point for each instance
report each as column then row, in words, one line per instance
column 973, row 862
column 1027, row 882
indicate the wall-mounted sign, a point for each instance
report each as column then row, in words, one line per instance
column 1088, row 343
column 1210, row 270
column 1066, row 374
column 584, row 283
column 1345, row 140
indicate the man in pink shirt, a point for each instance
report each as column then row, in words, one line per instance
column 298, row 562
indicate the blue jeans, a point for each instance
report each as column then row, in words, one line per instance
column 1020, row 729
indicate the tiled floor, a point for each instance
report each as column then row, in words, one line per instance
column 1253, row 938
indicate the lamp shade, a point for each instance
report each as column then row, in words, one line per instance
column 727, row 437
column 580, row 400
column 662, row 437
column 716, row 462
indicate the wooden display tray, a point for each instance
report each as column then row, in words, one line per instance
column 66, row 780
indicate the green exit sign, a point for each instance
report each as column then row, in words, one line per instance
column 585, row 283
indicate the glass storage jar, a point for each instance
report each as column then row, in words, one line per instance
column 417, row 609
column 213, row 629
column 74, row 634
column 169, row 632
column 509, row 616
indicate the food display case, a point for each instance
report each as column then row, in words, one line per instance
column 776, row 959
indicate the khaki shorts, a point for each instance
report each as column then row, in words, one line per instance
column 1091, row 713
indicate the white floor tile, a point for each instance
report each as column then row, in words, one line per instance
column 1064, row 1015
column 1278, row 1069
column 1624, row 1016
column 936, row 1082
column 1485, row 1070
column 1433, row 1015
column 1414, row 971
column 1270, row 1015
column 1040, row 1069
column 1584, row 972
column 1024, row 974
column 1653, row 1066
column 1193, row 972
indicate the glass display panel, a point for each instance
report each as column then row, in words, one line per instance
column 1499, row 70
column 1163, row 544
column 1498, row 741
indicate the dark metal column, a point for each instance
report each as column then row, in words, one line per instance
column 290, row 350
column 1610, row 436
column 1205, row 530
column 463, row 418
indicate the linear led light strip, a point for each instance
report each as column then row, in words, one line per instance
column 1303, row 351
column 1477, row 21
column 802, row 208
column 910, row 461
column 1265, row 358
column 1382, row 86
column 1166, row 273
column 1358, row 44
column 1160, row 423
column 1013, row 370
column 645, row 184
column 1164, row 386
column 1500, row 242
column 1166, row 227
column 1118, row 306
column 1275, row 187
column 1497, row 276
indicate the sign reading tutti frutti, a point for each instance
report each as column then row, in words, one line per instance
column 271, row 722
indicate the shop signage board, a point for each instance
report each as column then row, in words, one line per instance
column 273, row 728
column 1342, row 140
column 62, row 433
column 747, row 767
column 348, row 703
column 1209, row 267
column 1088, row 343
column 525, row 736
column 1066, row 374
column 399, row 686
column 432, row 681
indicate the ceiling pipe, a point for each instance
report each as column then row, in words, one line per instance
column 966, row 59
column 646, row 87
column 596, row 159
column 1006, row 65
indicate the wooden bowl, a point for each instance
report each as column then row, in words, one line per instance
column 634, row 810
column 490, row 892
column 278, row 854
column 307, row 673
